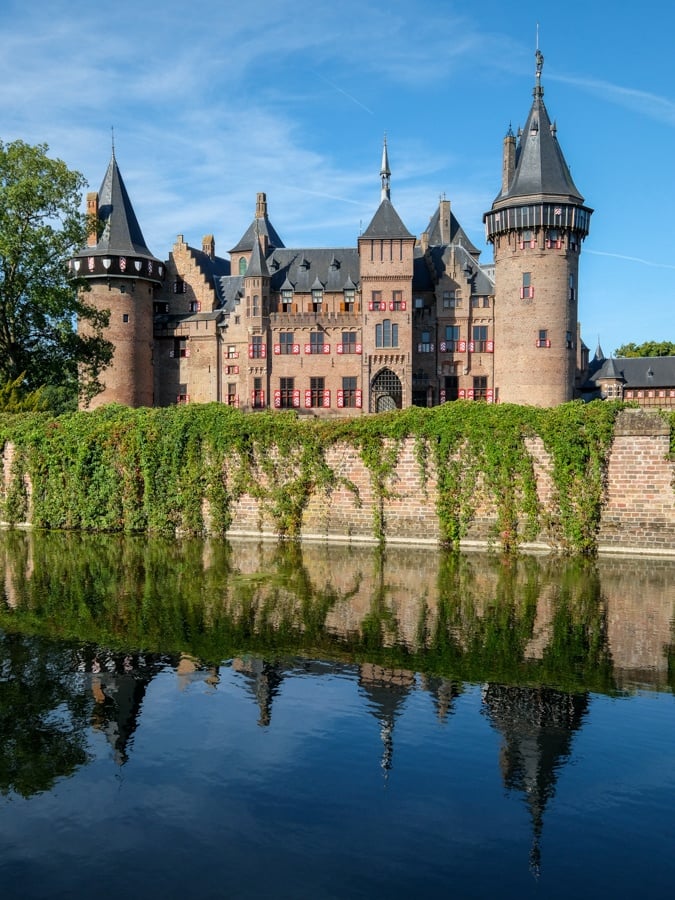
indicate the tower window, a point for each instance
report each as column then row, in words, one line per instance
column 527, row 289
column 386, row 334
column 125, row 317
column 543, row 340
column 242, row 265
column 553, row 239
column 449, row 299
column 572, row 289
column 527, row 239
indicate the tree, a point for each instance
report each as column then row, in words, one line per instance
column 648, row 348
column 41, row 226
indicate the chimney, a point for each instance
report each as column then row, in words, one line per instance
column 444, row 220
column 92, row 215
column 509, row 161
column 424, row 241
column 261, row 206
column 209, row 246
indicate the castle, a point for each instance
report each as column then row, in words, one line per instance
column 395, row 321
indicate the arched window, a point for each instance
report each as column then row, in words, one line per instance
column 386, row 391
column 242, row 265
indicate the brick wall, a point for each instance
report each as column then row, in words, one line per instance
column 638, row 513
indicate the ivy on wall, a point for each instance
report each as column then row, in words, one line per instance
column 182, row 469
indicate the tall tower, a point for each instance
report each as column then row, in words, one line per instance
column 536, row 226
column 122, row 275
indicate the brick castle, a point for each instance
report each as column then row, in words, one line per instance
column 395, row 321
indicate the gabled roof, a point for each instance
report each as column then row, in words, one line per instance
column 259, row 226
column 334, row 268
column 541, row 169
column 386, row 223
column 457, row 233
column 637, row 372
column 121, row 232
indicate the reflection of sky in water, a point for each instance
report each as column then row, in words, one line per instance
column 211, row 803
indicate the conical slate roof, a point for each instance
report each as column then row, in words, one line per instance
column 121, row 232
column 541, row 170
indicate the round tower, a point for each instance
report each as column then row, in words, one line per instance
column 536, row 226
column 122, row 275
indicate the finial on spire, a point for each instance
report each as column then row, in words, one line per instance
column 385, row 171
column 539, row 56
column 112, row 137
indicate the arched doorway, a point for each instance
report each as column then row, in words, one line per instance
column 386, row 392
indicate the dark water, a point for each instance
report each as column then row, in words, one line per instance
column 235, row 720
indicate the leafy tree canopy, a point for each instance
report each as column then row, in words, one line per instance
column 41, row 227
column 648, row 348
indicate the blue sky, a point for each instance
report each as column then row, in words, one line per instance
column 215, row 101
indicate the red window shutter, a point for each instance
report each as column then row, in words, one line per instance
column 277, row 399
column 339, row 348
column 308, row 399
column 461, row 346
column 250, row 351
column 462, row 394
column 296, row 399
column 359, row 401
column 326, row 348
column 308, row 348
column 444, row 347
column 403, row 302
column 383, row 306
column 359, row 348
column 296, row 349
column 489, row 346
column 326, row 398
column 391, row 306
column 490, row 395
column 263, row 351
column 340, row 399
column 187, row 351
column 277, row 349
column 372, row 306
column 442, row 396
column 172, row 354
column 471, row 346
column 470, row 394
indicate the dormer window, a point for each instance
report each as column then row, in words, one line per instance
column 242, row 265
column 287, row 300
column 317, row 299
column 349, row 299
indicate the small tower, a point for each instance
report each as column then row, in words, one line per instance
column 386, row 262
column 536, row 226
column 122, row 275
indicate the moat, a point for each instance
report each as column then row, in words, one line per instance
column 256, row 720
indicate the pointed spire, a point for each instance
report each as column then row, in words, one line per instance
column 385, row 172
column 121, row 231
column 257, row 265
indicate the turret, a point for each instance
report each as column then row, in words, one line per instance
column 122, row 275
column 536, row 226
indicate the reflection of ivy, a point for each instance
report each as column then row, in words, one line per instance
column 166, row 596
column 183, row 469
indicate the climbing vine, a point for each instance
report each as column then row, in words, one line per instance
column 184, row 469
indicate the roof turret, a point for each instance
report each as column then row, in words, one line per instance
column 540, row 167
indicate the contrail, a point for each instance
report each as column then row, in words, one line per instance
column 348, row 96
column 644, row 262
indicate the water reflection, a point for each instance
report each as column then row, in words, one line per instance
column 89, row 623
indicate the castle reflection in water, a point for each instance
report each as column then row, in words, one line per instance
column 540, row 635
